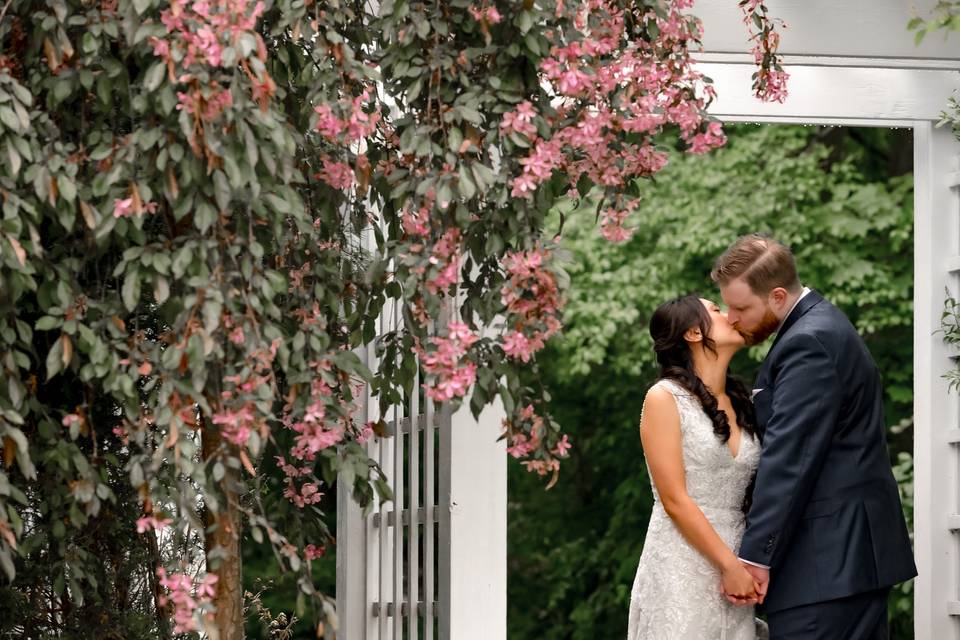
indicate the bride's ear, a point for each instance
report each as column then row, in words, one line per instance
column 693, row 334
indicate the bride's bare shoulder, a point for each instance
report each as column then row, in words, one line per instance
column 659, row 404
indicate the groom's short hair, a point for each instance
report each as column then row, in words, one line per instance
column 763, row 263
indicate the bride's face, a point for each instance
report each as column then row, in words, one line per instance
column 722, row 332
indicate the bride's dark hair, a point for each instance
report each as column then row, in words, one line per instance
column 668, row 325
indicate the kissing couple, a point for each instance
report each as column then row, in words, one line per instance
column 781, row 497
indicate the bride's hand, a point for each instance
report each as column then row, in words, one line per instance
column 738, row 585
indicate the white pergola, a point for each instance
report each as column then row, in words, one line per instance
column 433, row 562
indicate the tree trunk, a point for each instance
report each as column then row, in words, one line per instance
column 225, row 538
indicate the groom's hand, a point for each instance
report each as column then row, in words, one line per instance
column 761, row 577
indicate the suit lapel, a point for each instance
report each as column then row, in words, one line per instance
column 808, row 302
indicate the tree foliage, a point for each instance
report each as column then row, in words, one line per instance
column 206, row 206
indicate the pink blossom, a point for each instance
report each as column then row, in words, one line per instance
column 712, row 138
column 445, row 364
column 338, row 175
column 185, row 597
column 237, row 424
column 611, row 223
column 562, row 447
column 455, row 385
column 365, row 434
column 523, row 186
column 417, row 224
column 147, row 523
column 541, row 467
column 516, row 345
column 236, row 336
column 122, row 208
column 309, row 493
column 488, row 15
column 312, row 552
column 520, row 120
column 70, row 419
column 327, row 124
column 521, row 446
column 312, row 438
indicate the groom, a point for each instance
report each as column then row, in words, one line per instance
column 825, row 537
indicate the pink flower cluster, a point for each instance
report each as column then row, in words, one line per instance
column 205, row 107
column 355, row 124
column 446, row 259
column 489, row 15
column 201, row 29
column 314, row 430
column 312, row 552
column 152, row 523
column 606, row 83
column 128, row 207
column 520, row 120
column 308, row 493
column 532, row 301
column 338, row 175
column 770, row 80
column 524, row 433
column 417, row 223
column 451, row 376
column 237, row 423
column 185, row 597
column 611, row 225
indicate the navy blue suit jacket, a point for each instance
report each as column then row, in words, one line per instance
column 826, row 514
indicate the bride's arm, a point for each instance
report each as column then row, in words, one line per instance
column 663, row 447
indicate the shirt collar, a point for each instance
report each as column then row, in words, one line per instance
column 803, row 294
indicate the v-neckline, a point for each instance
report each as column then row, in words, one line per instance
column 726, row 445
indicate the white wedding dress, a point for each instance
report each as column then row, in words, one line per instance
column 676, row 593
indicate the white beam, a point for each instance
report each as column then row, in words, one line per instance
column 853, row 95
column 473, row 526
column 852, row 28
column 791, row 60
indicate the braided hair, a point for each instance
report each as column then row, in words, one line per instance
column 668, row 325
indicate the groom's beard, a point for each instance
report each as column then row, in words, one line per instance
column 767, row 327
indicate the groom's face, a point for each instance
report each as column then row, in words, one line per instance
column 750, row 314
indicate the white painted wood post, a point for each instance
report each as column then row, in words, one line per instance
column 936, row 412
column 473, row 526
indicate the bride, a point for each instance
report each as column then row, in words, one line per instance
column 701, row 446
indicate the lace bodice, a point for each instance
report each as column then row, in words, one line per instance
column 676, row 592
column 715, row 478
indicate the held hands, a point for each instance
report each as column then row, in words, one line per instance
column 761, row 576
column 741, row 586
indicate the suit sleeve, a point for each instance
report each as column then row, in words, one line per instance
column 806, row 404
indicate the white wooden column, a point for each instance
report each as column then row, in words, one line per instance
column 936, row 412
column 473, row 526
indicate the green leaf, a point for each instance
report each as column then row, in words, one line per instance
column 204, row 216
column 221, row 190
column 54, row 362
column 9, row 119
column 68, row 189
column 154, row 76
column 131, row 288
column 161, row 289
column 466, row 186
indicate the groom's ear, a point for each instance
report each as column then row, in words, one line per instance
column 778, row 295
